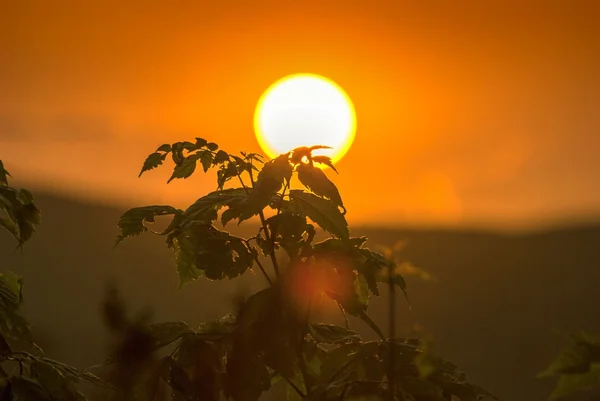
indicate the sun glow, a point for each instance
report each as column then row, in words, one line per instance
column 305, row 110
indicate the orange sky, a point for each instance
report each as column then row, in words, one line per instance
column 468, row 112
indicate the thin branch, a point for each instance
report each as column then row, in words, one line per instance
column 392, row 323
column 260, row 266
column 274, row 231
column 292, row 385
column 344, row 314
column 264, row 224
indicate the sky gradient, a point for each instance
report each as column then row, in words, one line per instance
column 476, row 113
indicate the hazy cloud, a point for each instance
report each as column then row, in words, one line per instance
column 57, row 128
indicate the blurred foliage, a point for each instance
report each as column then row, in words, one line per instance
column 272, row 336
column 577, row 367
column 25, row 374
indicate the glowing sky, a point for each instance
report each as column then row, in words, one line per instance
column 468, row 112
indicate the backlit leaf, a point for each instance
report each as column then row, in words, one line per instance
column 132, row 221
column 269, row 181
column 220, row 157
column 204, row 210
column 186, row 167
column 4, row 174
column 326, row 160
column 321, row 211
column 315, row 180
column 152, row 161
column 203, row 250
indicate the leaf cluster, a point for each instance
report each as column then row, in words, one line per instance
column 272, row 336
column 18, row 212
column 25, row 374
column 577, row 367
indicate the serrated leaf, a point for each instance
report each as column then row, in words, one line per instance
column 168, row 331
column 132, row 221
column 152, row 161
column 204, row 210
column 315, row 180
column 326, row 160
column 203, row 250
column 220, row 157
column 206, row 158
column 320, row 210
column 185, row 168
column 331, row 334
column 164, row 148
column 4, row 174
column 23, row 214
column 268, row 183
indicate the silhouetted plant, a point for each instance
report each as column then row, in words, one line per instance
column 25, row 374
column 273, row 336
column 577, row 366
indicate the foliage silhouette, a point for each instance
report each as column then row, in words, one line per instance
column 25, row 374
column 272, row 335
column 577, row 366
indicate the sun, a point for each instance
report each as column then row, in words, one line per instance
column 305, row 110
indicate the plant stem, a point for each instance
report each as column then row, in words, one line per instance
column 344, row 314
column 392, row 323
column 266, row 228
column 292, row 385
column 260, row 266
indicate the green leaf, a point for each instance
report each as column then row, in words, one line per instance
column 326, row 160
column 315, row 180
column 164, row 148
column 320, row 210
column 169, row 331
column 204, row 210
column 212, row 146
column 269, row 182
column 11, row 290
column 206, row 158
column 576, row 382
column 25, row 197
column 200, row 142
column 153, row 160
column 203, row 250
column 23, row 215
column 132, row 221
column 25, row 389
column 3, row 175
column 185, row 168
column 331, row 334
column 220, row 157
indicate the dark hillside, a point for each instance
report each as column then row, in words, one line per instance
column 493, row 310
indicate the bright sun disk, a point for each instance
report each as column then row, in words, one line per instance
column 305, row 110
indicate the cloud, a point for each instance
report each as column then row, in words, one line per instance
column 56, row 128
